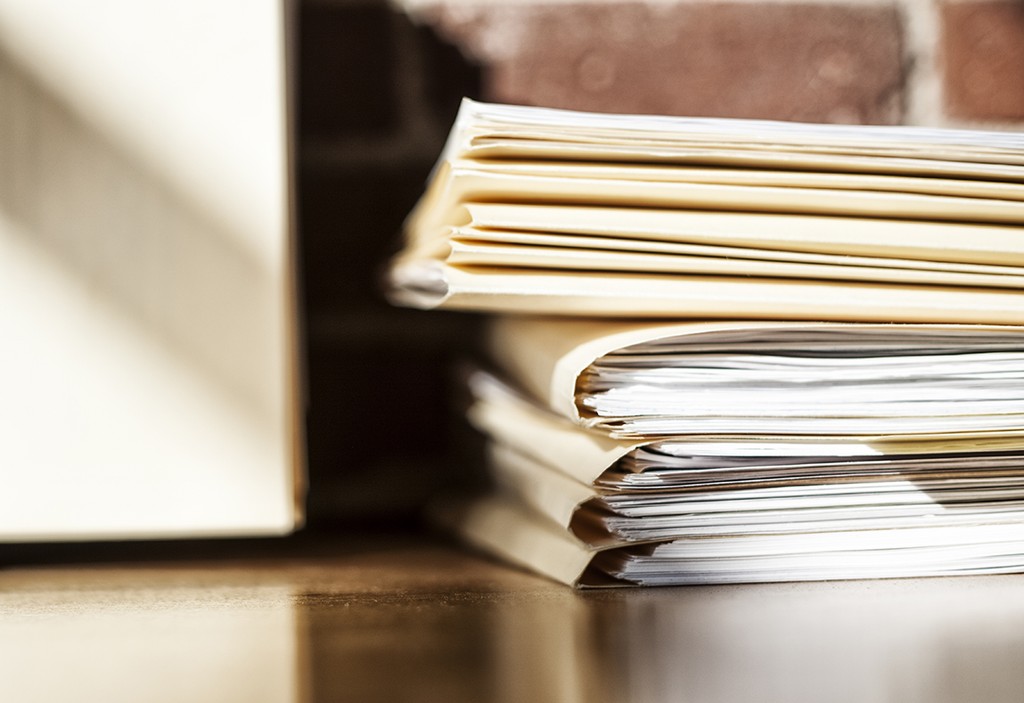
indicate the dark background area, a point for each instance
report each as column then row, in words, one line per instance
column 376, row 97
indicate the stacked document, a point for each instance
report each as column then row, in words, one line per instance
column 581, row 214
column 730, row 452
column 728, row 351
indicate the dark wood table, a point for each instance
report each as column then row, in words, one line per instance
column 409, row 618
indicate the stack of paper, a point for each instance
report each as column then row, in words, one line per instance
column 844, row 399
column 753, row 451
column 573, row 213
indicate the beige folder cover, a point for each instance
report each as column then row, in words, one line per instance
column 506, row 528
column 555, row 467
column 512, row 420
column 581, row 214
column 546, row 356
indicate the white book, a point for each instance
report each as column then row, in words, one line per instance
column 148, row 361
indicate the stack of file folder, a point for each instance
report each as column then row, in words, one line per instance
column 731, row 351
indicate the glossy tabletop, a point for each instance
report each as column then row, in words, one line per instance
column 405, row 618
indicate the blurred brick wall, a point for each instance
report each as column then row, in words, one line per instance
column 936, row 62
column 378, row 88
column 982, row 67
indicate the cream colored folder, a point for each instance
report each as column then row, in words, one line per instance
column 573, row 213
column 558, row 361
column 506, row 528
column 585, row 509
column 565, row 472
column 592, row 459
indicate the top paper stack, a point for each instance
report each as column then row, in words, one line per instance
column 570, row 213
column 734, row 351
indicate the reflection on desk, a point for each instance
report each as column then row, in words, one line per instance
column 408, row 619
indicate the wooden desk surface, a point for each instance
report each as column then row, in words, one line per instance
column 409, row 618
